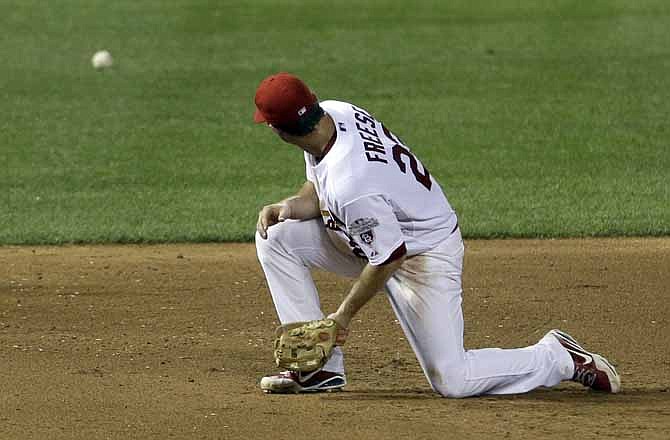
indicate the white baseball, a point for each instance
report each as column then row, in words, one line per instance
column 102, row 59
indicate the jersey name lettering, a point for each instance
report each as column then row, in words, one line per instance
column 366, row 127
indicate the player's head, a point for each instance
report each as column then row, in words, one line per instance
column 284, row 102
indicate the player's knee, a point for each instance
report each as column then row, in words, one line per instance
column 277, row 236
column 453, row 392
column 451, row 389
column 263, row 247
column 449, row 382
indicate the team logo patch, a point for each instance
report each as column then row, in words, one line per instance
column 363, row 228
column 368, row 237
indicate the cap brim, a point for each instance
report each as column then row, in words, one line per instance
column 258, row 117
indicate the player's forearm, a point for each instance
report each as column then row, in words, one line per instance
column 371, row 281
column 303, row 205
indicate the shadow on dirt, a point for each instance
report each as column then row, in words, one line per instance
column 643, row 395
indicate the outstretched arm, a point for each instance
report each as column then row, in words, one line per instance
column 301, row 206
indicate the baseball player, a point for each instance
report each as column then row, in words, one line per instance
column 385, row 221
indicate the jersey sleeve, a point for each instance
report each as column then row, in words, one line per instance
column 372, row 225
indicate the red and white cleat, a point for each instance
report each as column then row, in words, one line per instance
column 296, row 382
column 591, row 369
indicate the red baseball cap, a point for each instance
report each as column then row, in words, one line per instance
column 281, row 99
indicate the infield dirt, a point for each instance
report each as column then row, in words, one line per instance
column 155, row 342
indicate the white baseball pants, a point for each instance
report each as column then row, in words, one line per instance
column 425, row 293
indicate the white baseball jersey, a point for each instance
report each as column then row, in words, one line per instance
column 374, row 192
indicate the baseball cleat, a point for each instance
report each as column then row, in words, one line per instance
column 296, row 382
column 591, row 369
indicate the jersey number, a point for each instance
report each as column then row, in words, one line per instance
column 423, row 177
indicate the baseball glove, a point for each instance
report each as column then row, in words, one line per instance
column 305, row 346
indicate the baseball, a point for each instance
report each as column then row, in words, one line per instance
column 102, row 60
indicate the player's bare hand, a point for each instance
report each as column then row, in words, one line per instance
column 342, row 331
column 271, row 215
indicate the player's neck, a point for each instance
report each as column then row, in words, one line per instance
column 317, row 142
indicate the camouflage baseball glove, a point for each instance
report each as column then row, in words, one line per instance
column 305, row 346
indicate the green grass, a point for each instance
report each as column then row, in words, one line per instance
column 539, row 118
